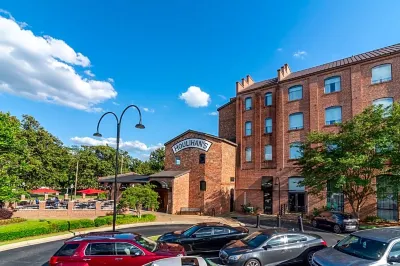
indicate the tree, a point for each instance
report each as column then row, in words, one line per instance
column 138, row 197
column 350, row 160
column 156, row 159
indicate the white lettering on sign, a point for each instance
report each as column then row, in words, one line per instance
column 192, row 143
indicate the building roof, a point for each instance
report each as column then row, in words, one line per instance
column 172, row 174
column 355, row 59
column 203, row 134
column 125, row 178
column 232, row 100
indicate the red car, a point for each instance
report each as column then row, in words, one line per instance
column 113, row 248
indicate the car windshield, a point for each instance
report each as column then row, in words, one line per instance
column 362, row 247
column 148, row 244
column 190, row 230
column 255, row 239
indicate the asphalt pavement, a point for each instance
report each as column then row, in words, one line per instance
column 38, row 255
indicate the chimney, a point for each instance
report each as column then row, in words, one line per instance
column 283, row 72
column 244, row 83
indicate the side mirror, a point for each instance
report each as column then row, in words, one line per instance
column 267, row 247
column 394, row 259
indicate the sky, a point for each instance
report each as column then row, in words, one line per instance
column 68, row 62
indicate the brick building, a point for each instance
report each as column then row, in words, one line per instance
column 268, row 119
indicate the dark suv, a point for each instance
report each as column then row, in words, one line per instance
column 338, row 221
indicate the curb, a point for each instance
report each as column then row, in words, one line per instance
column 72, row 234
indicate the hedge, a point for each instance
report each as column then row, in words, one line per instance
column 12, row 221
column 42, row 227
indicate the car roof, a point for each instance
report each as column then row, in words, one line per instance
column 109, row 236
column 274, row 231
column 178, row 261
column 212, row 224
column 386, row 234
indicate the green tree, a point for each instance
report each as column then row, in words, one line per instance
column 138, row 197
column 156, row 159
column 350, row 160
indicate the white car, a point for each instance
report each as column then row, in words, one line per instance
column 182, row 261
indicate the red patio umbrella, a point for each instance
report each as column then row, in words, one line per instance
column 44, row 190
column 90, row 191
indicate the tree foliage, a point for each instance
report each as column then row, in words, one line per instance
column 138, row 197
column 352, row 159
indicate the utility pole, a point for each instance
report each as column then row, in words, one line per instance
column 76, row 176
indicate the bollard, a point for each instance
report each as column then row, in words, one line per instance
column 300, row 222
column 258, row 221
column 278, row 221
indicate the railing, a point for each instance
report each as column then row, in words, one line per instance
column 90, row 205
column 107, row 205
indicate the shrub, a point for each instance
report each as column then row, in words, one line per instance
column 58, row 225
column 81, row 223
column 374, row 219
column 5, row 214
column 103, row 220
column 20, row 230
column 123, row 219
column 12, row 221
column 247, row 208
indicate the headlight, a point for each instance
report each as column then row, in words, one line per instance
column 234, row 258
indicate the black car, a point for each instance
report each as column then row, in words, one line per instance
column 205, row 237
column 272, row 247
column 338, row 221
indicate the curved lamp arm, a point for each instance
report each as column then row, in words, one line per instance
column 98, row 124
column 140, row 115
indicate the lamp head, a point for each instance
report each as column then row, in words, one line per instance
column 140, row 126
column 97, row 134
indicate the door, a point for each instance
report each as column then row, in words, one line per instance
column 232, row 200
column 128, row 254
column 202, row 239
column 221, row 237
column 296, row 244
column 100, row 254
column 275, row 252
column 296, row 202
column 266, row 187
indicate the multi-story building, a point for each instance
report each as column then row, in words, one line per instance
column 268, row 119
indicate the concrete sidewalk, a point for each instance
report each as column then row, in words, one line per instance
column 161, row 219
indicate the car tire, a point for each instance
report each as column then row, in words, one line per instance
column 308, row 257
column 337, row 229
column 314, row 223
column 252, row 262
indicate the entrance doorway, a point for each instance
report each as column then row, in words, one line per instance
column 296, row 197
column 266, row 187
column 162, row 190
column 232, row 200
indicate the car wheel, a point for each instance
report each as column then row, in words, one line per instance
column 336, row 229
column 314, row 223
column 252, row 262
column 309, row 256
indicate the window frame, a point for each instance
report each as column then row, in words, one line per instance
column 289, row 92
column 265, row 152
column 373, row 82
column 202, row 158
column 333, row 77
column 177, row 158
column 245, row 154
column 269, row 96
column 267, row 127
column 245, row 128
column 90, row 245
column 290, row 148
column 245, row 103
column 203, row 228
column 334, row 121
column 296, row 128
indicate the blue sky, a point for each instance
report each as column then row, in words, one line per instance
column 154, row 51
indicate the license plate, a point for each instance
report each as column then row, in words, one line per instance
column 350, row 227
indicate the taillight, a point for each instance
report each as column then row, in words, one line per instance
column 323, row 242
column 53, row 261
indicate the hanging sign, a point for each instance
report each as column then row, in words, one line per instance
column 192, row 143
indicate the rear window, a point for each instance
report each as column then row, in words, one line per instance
column 66, row 250
column 344, row 215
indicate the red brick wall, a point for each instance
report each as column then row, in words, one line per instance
column 227, row 122
column 180, row 193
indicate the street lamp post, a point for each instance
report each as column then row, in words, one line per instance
column 72, row 187
column 278, row 183
column 97, row 134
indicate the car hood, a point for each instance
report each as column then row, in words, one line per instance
column 236, row 247
column 332, row 257
column 169, row 249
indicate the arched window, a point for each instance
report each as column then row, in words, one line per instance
column 268, row 99
column 332, row 84
column 295, row 93
column 248, row 103
column 381, row 73
column 333, row 115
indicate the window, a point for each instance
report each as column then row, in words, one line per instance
column 268, row 99
column 384, row 103
column 387, row 206
column 295, row 150
column 268, row 153
column 100, row 249
column 67, row 250
column 127, row 249
column 205, row 231
column 177, row 160
column 248, row 103
column 292, row 239
column 296, row 121
column 221, row 231
column 334, row 197
column 295, row 93
column 202, row 158
column 268, row 125
column 248, row 154
column 332, row 84
column 256, row 239
column 333, row 115
column 295, row 184
column 277, row 241
column 381, row 73
column 247, row 128
column 232, row 179
column 395, row 251
column 331, row 147
column 360, row 247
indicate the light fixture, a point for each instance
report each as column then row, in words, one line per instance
column 97, row 134
column 140, row 126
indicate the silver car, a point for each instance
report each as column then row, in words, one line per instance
column 373, row 247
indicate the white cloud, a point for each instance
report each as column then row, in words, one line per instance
column 148, row 110
column 115, row 103
column 9, row 15
column 300, row 54
column 111, row 80
column 223, row 97
column 195, row 97
column 42, row 68
column 279, row 49
column 131, row 146
column 89, row 73
column 213, row 113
